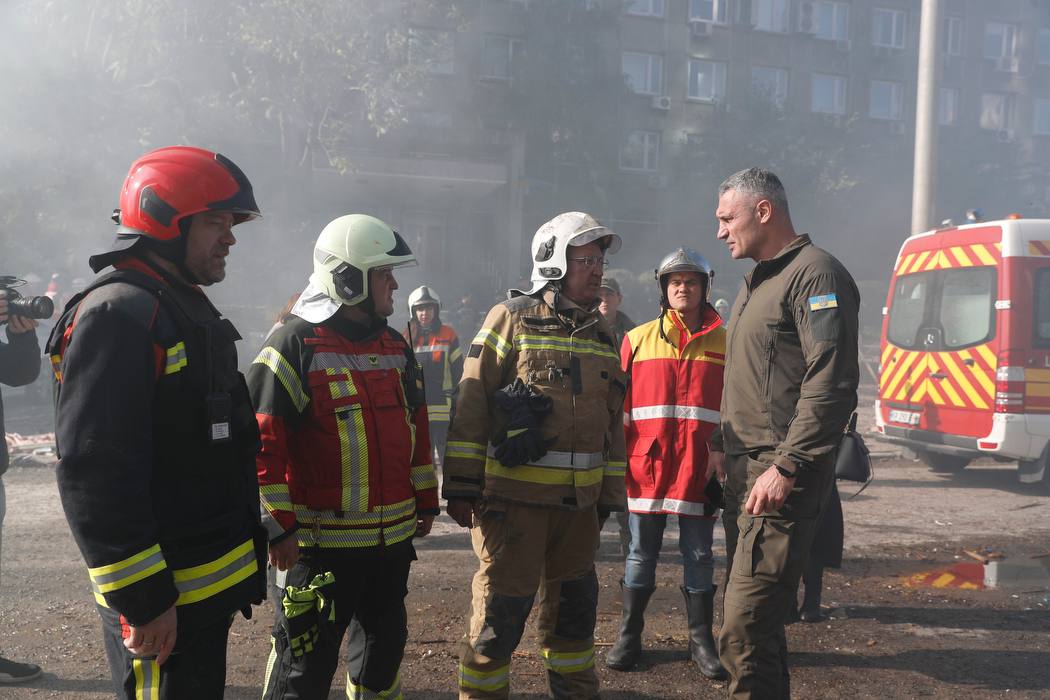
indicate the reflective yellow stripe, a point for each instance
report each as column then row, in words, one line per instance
column 56, row 366
column 490, row 681
column 176, row 359
column 330, row 538
column 465, row 450
column 360, row 692
column 579, row 346
column 615, row 468
column 353, row 453
column 982, row 253
column 112, row 577
column 269, row 357
column 563, row 662
column 494, row 341
column 546, row 475
column 455, row 355
column 383, row 514
column 275, row 497
column 423, row 477
column 147, row 679
column 199, row 582
column 341, row 388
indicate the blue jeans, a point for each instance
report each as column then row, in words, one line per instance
column 694, row 541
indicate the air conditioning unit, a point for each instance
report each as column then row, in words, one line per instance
column 1005, row 135
column 700, row 28
column 897, row 127
column 1008, row 64
column 661, row 102
column 843, row 45
column 806, row 20
column 657, row 181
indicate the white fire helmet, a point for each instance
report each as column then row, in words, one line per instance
column 551, row 242
column 421, row 296
column 348, row 248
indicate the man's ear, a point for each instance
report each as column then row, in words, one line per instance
column 764, row 211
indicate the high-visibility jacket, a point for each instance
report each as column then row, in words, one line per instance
column 438, row 353
column 567, row 355
column 671, row 410
column 345, row 459
column 157, row 440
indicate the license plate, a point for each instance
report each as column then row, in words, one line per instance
column 905, row 417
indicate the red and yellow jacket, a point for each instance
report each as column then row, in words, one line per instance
column 438, row 353
column 670, row 411
column 345, row 458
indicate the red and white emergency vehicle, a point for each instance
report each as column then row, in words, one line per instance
column 964, row 369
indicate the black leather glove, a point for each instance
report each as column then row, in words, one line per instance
column 520, row 441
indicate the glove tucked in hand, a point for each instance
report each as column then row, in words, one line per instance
column 307, row 613
column 520, row 441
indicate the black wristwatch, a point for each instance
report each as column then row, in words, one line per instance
column 784, row 472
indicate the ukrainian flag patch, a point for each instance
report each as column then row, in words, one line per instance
column 824, row 301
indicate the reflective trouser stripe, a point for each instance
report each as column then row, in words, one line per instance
column 147, row 679
column 563, row 662
column 269, row 665
column 360, row 692
column 486, row 681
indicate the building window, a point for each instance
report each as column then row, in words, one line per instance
column 431, row 49
column 1041, row 118
column 888, row 28
column 953, row 36
column 716, row 11
column 770, row 84
column 499, row 55
column 886, row 100
column 948, row 107
column 645, row 8
column 644, row 72
column 770, row 15
column 641, row 151
column 1044, row 47
column 996, row 111
column 830, row 20
column 828, row 94
column 1000, row 40
column 707, row 80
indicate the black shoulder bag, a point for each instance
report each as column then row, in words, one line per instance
column 854, row 459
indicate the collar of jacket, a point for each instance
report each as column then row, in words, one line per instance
column 567, row 310
column 767, row 268
column 352, row 330
column 709, row 320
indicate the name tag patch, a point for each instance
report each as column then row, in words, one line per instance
column 824, row 301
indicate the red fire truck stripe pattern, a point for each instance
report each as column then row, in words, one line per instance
column 968, row 377
column 972, row 255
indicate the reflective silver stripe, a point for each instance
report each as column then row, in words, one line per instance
column 387, row 513
column 433, row 348
column 199, row 582
column 361, row 363
column 563, row 460
column 664, row 505
column 104, row 580
column 687, row 412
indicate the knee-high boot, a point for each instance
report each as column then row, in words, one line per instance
column 700, row 608
column 628, row 648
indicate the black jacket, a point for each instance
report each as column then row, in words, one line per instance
column 19, row 365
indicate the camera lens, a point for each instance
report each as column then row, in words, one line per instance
column 31, row 307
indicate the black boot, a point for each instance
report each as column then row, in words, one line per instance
column 624, row 654
column 700, row 608
column 813, row 580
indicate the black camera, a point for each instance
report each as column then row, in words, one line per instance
column 18, row 305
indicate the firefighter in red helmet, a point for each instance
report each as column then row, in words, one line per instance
column 156, row 432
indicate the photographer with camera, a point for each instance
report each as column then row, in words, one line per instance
column 19, row 365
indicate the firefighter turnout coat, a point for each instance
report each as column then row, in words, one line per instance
column 567, row 355
column 671, row 411
column 345, row 459
column 157, row 441
column 439, row 355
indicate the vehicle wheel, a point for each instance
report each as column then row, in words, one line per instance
column 1034, row 472
column 940, row 462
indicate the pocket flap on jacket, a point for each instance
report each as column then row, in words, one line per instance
column 646, row 445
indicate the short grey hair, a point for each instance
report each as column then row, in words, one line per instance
column 759, row 182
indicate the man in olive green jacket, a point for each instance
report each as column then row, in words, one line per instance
column 790, row 386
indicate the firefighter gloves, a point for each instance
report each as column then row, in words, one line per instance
column 307, row 612
column 520, row 441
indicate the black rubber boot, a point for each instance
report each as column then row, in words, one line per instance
column 628, row 648
column 813, row 580
column 700, row 608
